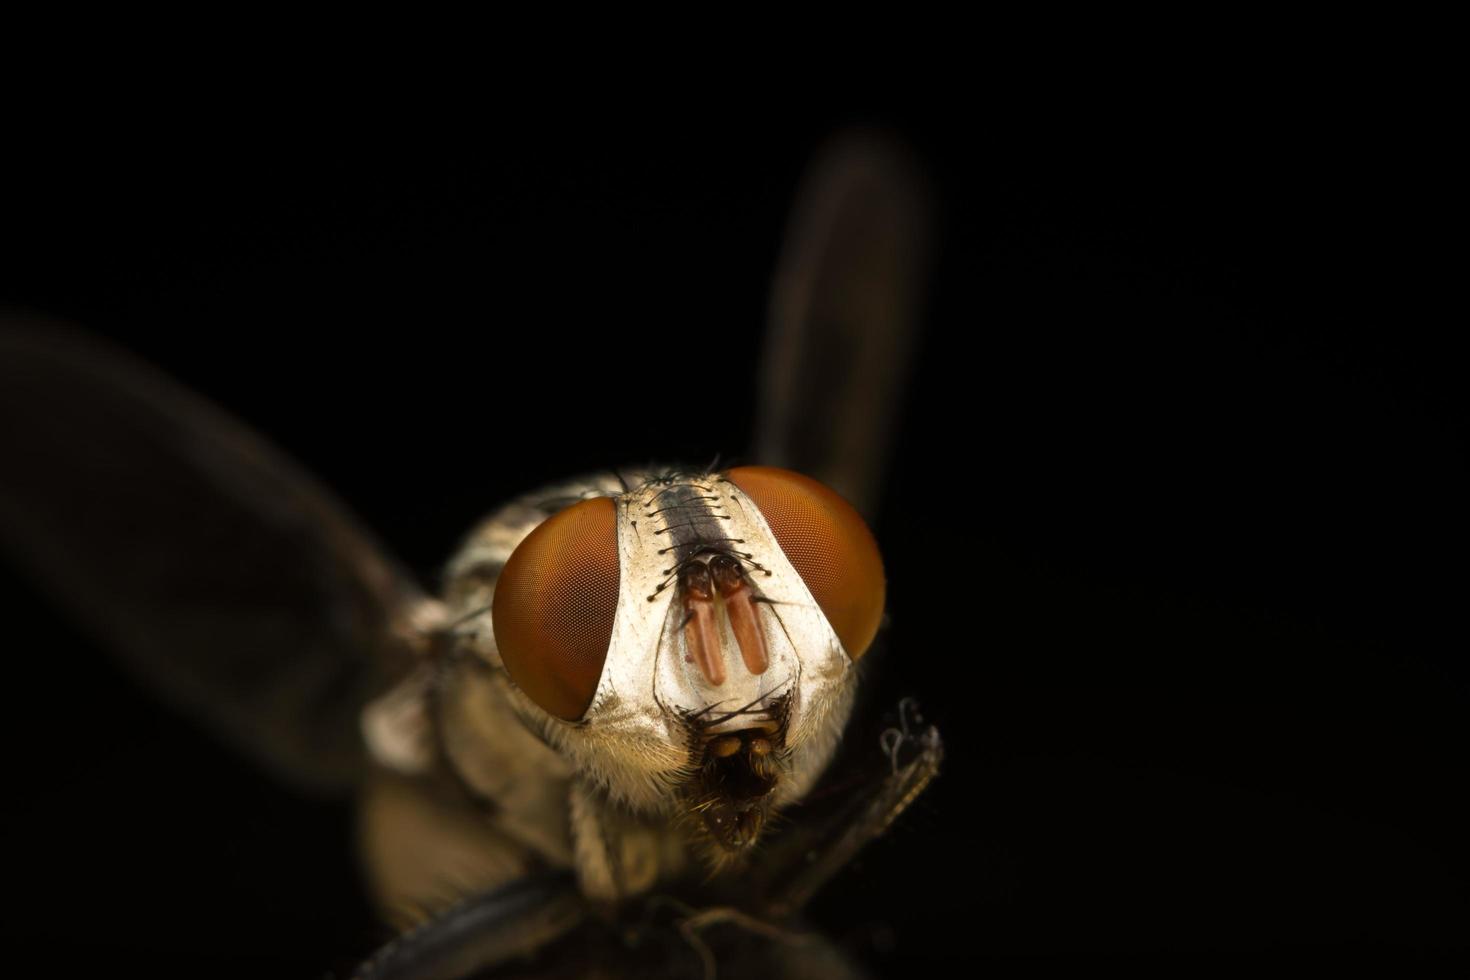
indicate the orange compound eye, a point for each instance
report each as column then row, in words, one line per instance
column 554, row 606
column 827, row 543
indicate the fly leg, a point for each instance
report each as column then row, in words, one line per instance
column 482, row 932
column 890, row 776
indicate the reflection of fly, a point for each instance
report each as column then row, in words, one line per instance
column 627, row 677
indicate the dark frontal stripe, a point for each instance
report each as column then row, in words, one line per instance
column 688, row 521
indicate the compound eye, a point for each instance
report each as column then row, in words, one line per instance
column 554, row 605
column 827, row 543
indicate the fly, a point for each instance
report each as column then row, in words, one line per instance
column 629, row 681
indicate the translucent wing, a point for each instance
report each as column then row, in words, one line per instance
column 844, row 315
column 217, row 568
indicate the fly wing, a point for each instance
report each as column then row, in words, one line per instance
column 843, row 318
column 212, row 564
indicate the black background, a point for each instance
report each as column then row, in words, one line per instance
column 1176, row 531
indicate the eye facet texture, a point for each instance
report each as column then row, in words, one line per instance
column 554, row 606
column 827, row 543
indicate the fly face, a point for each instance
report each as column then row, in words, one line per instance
column 688, row 644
